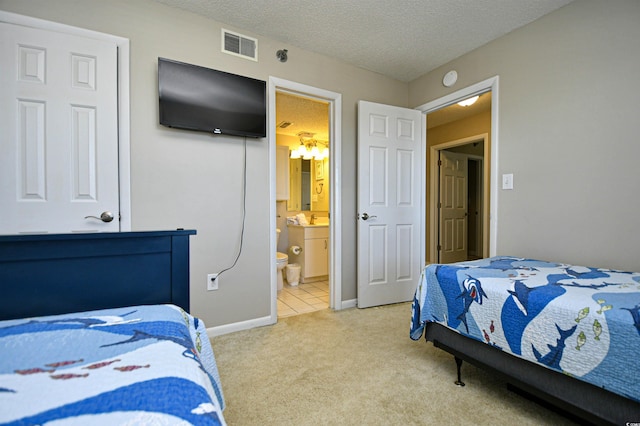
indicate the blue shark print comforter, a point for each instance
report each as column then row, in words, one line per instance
column 135, row 365
column 580, row 321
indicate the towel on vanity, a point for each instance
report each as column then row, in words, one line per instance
column 302, row 219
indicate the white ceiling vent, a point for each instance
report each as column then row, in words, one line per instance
column 239, row 45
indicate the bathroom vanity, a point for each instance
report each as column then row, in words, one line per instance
column 314, row 259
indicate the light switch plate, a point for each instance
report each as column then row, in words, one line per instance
column 507, row 181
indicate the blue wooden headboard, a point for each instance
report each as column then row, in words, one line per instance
column 59, row 273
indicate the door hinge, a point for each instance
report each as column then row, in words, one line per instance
column 439, row 163
column 439, row 247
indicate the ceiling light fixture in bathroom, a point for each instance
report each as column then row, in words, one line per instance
column 308, row 148
column 468, row 102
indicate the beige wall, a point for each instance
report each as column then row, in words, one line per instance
column 193, row 180
column 567, row 129
column 470, row 126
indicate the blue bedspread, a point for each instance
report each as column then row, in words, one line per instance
column 580, row 321
column 135, row 365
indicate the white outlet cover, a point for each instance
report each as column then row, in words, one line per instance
column 212, row 282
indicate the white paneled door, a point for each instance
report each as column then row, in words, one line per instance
column 453, row 207
column 58, row 132
column 389, row 203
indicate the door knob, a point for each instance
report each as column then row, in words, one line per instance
column 105, row 217
column 365, row 216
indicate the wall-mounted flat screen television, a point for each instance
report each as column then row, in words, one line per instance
column 197, row 98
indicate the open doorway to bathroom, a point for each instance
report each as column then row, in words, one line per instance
column 303, row 204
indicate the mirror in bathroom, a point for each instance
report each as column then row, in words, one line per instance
column 309, row 185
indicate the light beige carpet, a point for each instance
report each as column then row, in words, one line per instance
column 358, row 367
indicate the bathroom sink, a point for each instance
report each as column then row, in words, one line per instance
column 315, row 225
column 321, row 221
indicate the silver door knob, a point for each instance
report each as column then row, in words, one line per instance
column 365, row 216
column 105, row 217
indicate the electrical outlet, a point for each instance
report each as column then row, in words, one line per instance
column 212, row 282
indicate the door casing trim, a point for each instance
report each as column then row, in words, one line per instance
column 335, row 206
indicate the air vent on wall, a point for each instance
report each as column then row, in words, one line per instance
column 239, row 45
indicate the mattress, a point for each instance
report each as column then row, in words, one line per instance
column 135, row 365
column 581, row 321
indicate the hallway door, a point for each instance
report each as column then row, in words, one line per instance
column 453, row 207
column 390, row 162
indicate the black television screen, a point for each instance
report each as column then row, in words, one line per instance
column 197, row 98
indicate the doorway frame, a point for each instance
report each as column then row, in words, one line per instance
column 124, row 158
column 434, row 192
column 489, row 85
column 335, row 208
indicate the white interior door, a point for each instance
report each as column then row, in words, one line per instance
column 390, row 163
column 58, row 132
column 453, row 207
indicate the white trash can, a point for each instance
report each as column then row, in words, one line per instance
column 293, row 273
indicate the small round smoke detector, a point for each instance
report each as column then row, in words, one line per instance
column 450, row 78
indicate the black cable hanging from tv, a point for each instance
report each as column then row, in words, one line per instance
column 244, row 208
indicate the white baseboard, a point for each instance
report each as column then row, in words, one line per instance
column 239, row 326
column 346, row 304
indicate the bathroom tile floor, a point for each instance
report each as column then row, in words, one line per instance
column 303, row 298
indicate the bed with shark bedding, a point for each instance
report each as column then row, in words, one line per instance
column 134, row 365
column 95, row 329
column 569, row 335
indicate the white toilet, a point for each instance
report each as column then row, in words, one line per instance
column 281, row 261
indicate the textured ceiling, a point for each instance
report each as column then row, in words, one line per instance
column 305, row 115
column 402, row 39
